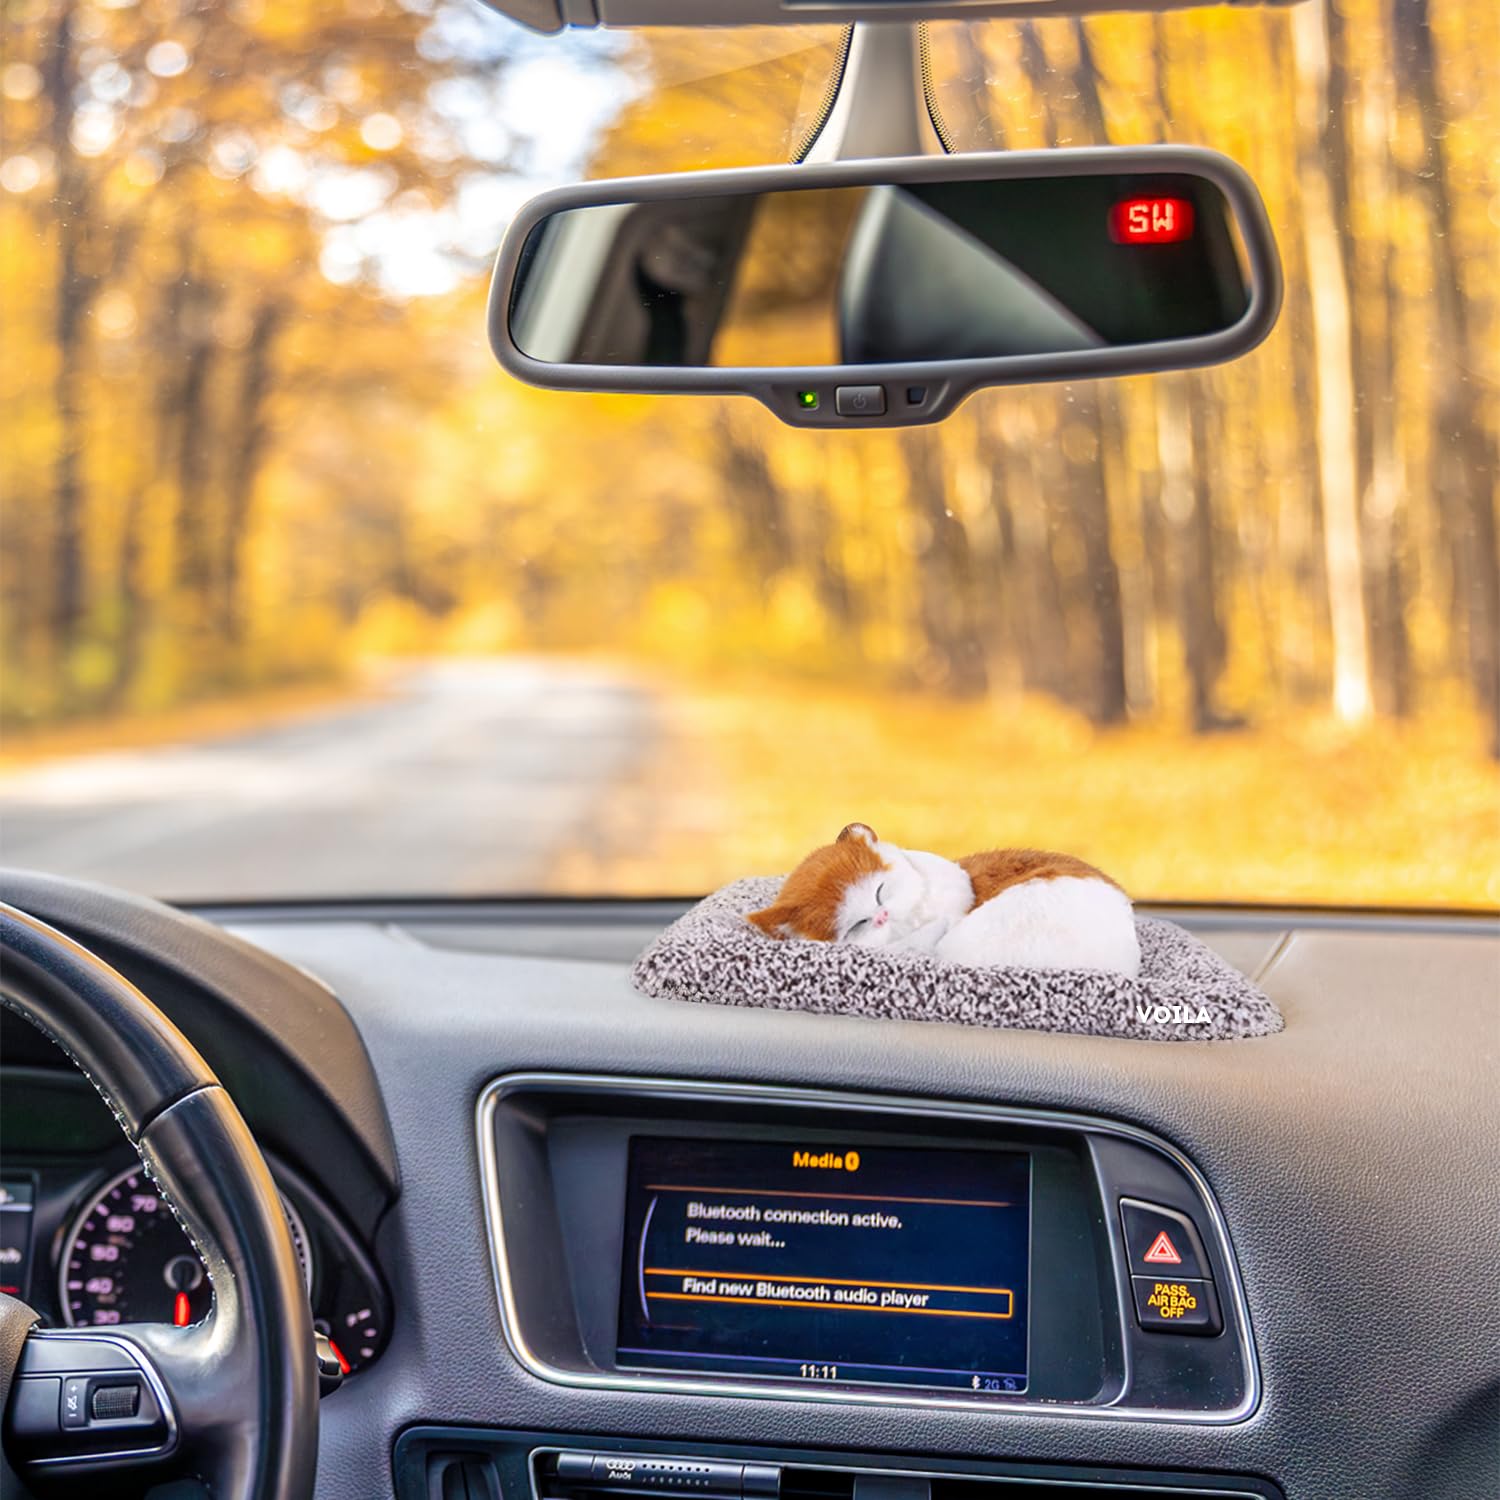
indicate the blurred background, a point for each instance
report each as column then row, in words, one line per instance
column 303, row 596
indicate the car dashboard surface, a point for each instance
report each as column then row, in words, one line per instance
column 517, row 1112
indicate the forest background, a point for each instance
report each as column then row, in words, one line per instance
column 251, row 441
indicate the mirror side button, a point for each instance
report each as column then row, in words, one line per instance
column 859, row 400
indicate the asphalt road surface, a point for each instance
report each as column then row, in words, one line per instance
column 467, row 778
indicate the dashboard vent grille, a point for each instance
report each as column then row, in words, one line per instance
column 461, row 1476
column 834, row 1484
column 596, row 1475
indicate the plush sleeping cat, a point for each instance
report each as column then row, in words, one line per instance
column 1022, row 908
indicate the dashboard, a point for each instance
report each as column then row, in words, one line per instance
column 615, row 1242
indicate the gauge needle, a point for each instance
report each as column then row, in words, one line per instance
column 182, row 1310
column 343, row 1363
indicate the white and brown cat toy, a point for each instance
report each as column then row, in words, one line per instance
column 1020, row 908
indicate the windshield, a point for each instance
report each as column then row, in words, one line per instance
column 303, row 597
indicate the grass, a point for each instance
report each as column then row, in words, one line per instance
column 750, row 775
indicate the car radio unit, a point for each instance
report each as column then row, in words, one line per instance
column 777, row 1242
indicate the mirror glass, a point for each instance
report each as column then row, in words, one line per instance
column 888, row 273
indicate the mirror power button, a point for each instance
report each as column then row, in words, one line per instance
column 859, row 400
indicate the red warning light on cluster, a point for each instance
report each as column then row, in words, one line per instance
column 1151, row 221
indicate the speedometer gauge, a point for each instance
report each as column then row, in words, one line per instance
column 127, row 1260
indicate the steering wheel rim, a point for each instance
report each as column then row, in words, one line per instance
column 240, row 1388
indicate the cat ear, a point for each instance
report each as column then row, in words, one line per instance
column 771, row 921
column 858, row 831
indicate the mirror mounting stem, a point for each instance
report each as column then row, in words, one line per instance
column 883, row 103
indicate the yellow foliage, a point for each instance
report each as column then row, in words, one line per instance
column 755, row 773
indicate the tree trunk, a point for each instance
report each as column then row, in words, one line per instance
column 1155, row 585
column 133, row 595
column 1039, row 70
column 1087, row 498
column 985, row 132
column 1203, row 550
column 1464, row 460
column 755, row 499
column 195, row 529
column 1089, row 414
column 137, row 602
column 74, row 291
column 1086, row 87
column 1329, row 287
column 1184, row 504
column 998, row 593
column 1380, row 455
column 1030, row 595
column 946, row 573
column 1045, row 617
column 834, row 589
column 246, row 449
column 1389, row 638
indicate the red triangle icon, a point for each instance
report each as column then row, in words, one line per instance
column 1162, row 1252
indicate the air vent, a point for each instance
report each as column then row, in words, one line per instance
column 591, row 1475
column 831, row 1484
column 461, row 1476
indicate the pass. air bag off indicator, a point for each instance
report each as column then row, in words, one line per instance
column 851, row 1265
column 1176, row 1306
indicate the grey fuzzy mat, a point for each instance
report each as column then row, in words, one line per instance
column 1185, row 991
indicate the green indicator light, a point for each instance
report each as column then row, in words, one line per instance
column 807, row 400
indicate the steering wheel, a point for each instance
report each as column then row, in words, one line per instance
column 232, row 1400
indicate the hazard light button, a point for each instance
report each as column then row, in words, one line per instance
column 1162, row 1242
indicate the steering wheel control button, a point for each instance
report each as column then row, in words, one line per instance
column 1169, row 1306
column 115, row 1403
column 1162, row 1242
column 74, row 1411
column 73, row 1355
column 859, row 400
column 33, row 1411
column 74, row 1396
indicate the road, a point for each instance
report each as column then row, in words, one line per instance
column 467, row 777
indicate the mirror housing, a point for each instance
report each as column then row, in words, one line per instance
column 554, row 15
column 923, row 279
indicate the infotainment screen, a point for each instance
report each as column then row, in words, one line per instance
column 840, row 1263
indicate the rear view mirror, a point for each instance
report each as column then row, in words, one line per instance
column 884, row 292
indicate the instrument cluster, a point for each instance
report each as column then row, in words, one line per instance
column 93, row 1245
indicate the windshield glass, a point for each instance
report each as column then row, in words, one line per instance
column 304, row 597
